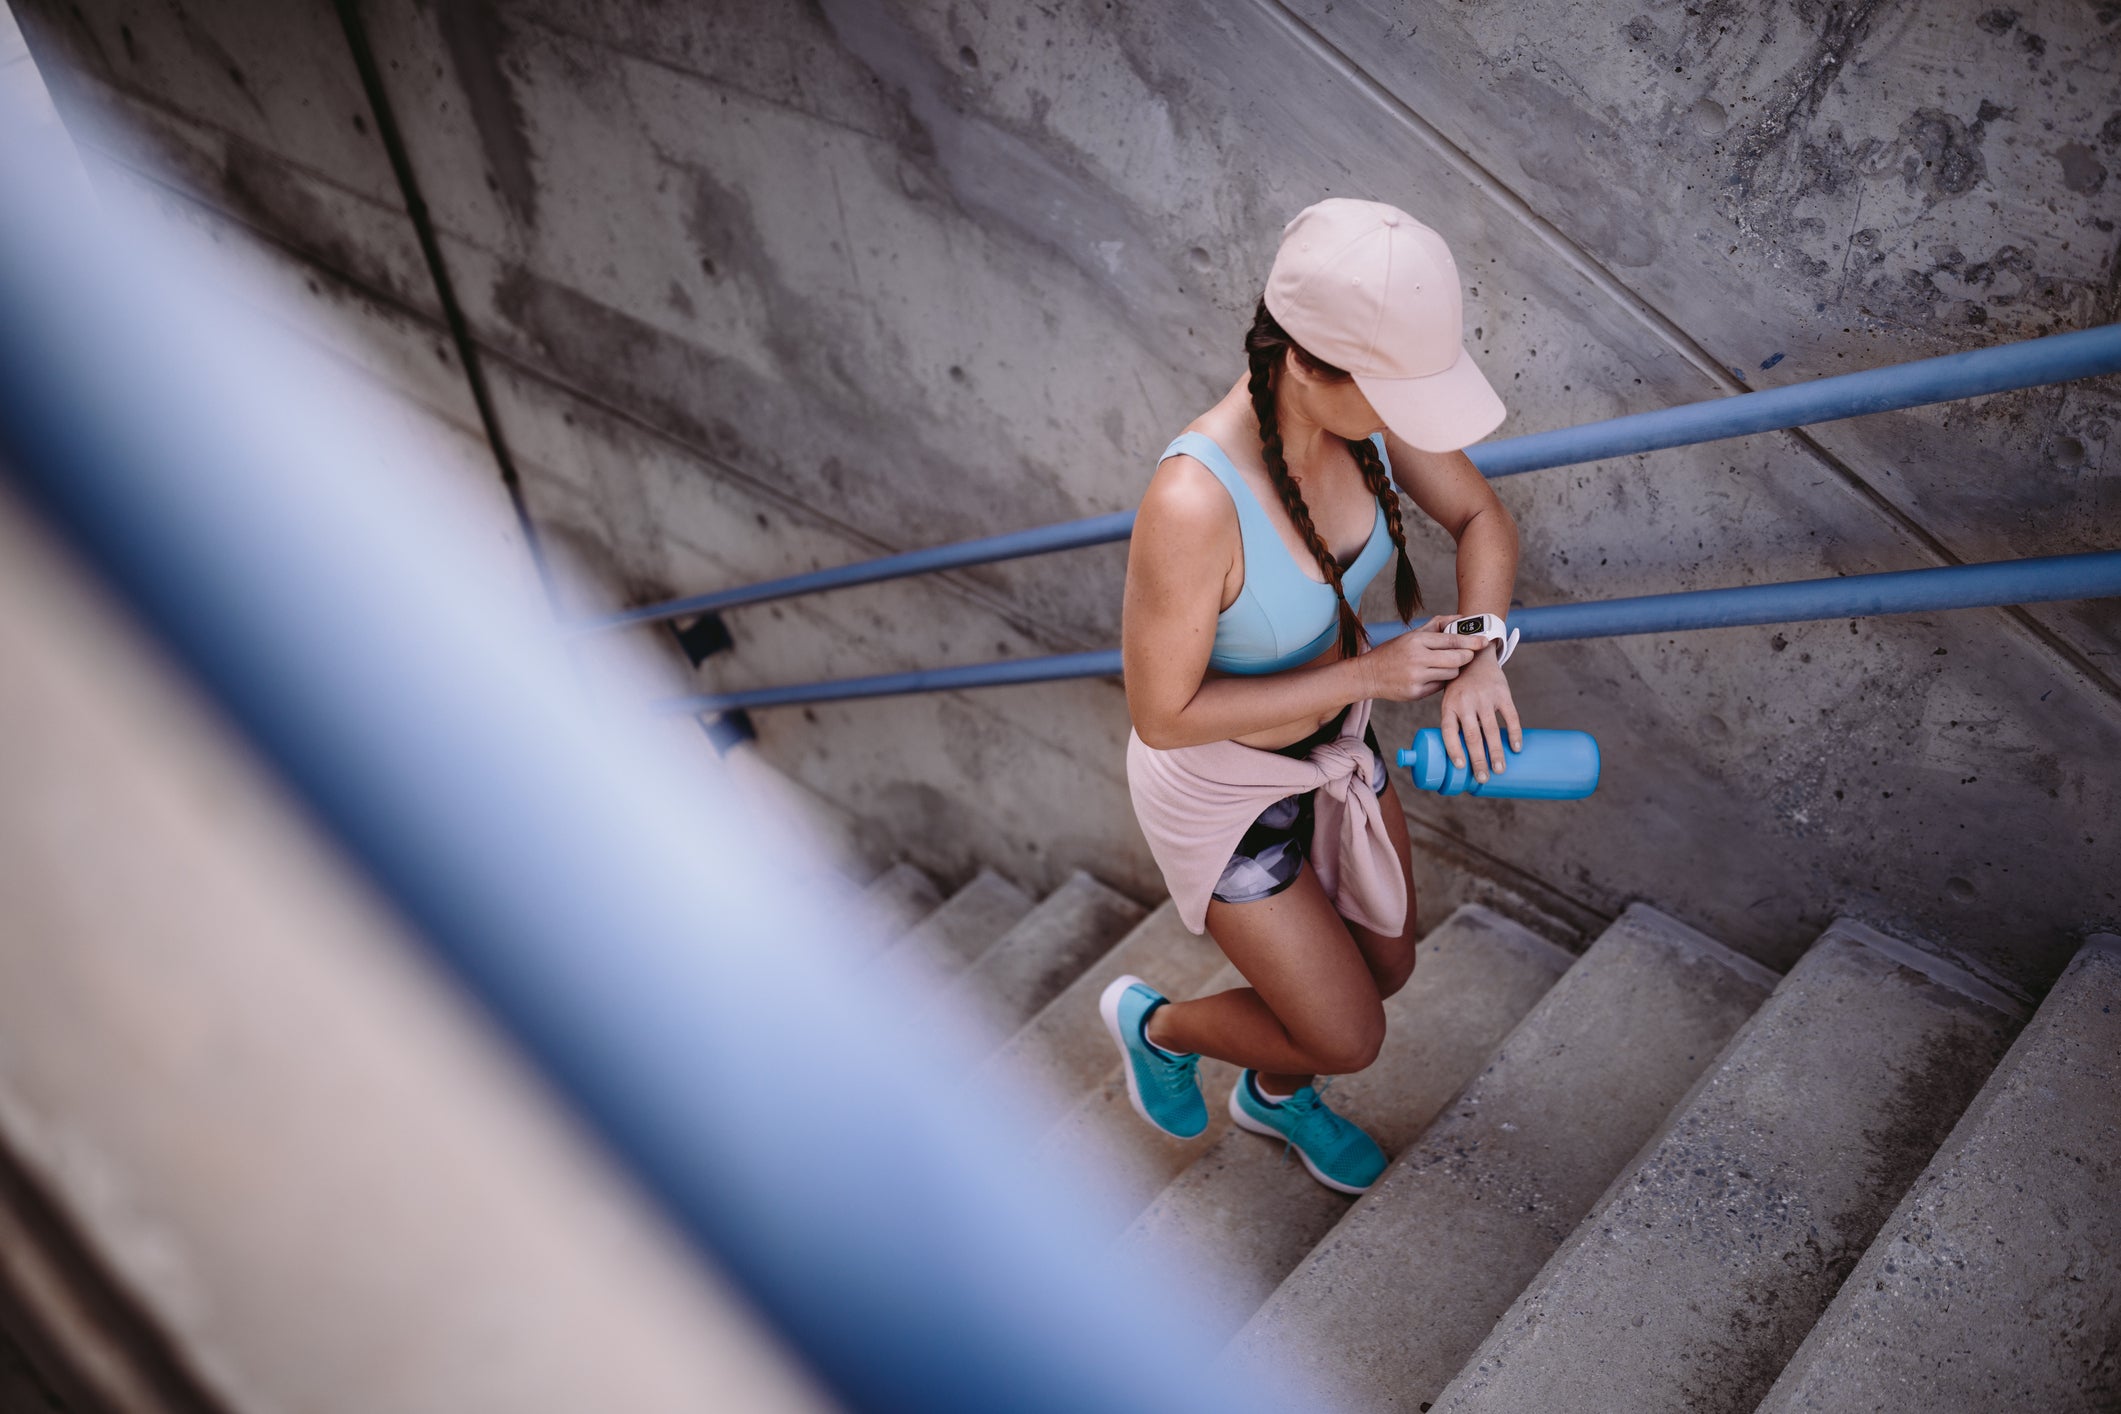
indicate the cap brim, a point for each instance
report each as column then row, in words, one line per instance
column 1440, row 412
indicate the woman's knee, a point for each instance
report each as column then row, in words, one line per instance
column 1347, row 1045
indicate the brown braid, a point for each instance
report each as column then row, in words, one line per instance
column 1265, row 344
column 1406, row 591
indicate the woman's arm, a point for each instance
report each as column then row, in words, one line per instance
column 1450, row 490
column 1185, row 539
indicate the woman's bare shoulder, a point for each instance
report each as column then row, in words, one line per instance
column 1186, row 539
column 1184, row 492
column 1186, row 516
column 1187, row 502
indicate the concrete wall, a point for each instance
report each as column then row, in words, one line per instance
column 243, row 135
column 763, row 286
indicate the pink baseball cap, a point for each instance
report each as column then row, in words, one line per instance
column 1368, row 288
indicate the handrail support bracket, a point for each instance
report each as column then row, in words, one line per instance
column 701, row 638
column 726, row 729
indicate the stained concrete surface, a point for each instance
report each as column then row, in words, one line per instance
column 899, row 898
column 1065, row 1050
column 1993, row 1284
column 1387, row 1308
column 764, row 288
column 1868, row 175
column 949, row 939
column 1127, row 1161
column 1039, row 957
column 1248, row 1211
column 1698, row 1273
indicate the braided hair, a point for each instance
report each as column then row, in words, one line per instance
column 1266, row 344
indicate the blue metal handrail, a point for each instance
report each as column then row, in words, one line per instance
column 987, row 550
column 2028, row 363
column 2029, row 581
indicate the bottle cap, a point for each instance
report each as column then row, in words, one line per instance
column 1427, row 760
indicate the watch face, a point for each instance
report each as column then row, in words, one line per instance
column 1477, row 624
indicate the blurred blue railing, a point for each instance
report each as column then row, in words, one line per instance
column 704, row 1023
column 2028, row 363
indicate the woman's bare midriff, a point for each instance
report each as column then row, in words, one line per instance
column 1267, row 738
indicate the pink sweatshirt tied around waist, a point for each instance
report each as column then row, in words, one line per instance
column 1194, row 804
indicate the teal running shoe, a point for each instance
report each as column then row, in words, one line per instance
column 1337, row 1153
column 1164, row 1088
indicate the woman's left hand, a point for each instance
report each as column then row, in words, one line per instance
column 1472, row 702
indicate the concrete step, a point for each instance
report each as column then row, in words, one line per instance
column 1698, row 1273
column 1389, row 1305
column 1125, row 1161
column 819, row 840
column 898, row 898
column 1064, row 1052
column 964, row 926
column 1047, row 949
column 1245, row 1212
column 1996, row 1284
column 840, row 888
column 845, row 844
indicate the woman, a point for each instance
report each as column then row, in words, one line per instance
column 1247, row 674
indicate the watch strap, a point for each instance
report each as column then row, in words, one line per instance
column 1496, row 630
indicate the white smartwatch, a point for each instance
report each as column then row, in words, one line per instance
column 1487, row 628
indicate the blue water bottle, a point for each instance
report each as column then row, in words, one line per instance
column 1554, row 765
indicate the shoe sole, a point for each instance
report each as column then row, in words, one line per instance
column 1108, row 1008
column 1242, row 1117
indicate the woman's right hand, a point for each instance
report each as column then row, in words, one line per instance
column 1415, row 664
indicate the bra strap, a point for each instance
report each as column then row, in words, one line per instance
column 1251, row 517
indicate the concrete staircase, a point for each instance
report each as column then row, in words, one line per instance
column 1653, row 1177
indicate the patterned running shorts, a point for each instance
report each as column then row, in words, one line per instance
column 1272, row 851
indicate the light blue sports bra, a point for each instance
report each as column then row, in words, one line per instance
column 1281, row 617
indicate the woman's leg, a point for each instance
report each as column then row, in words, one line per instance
column 1316, row 1002
column 1313, row 1005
